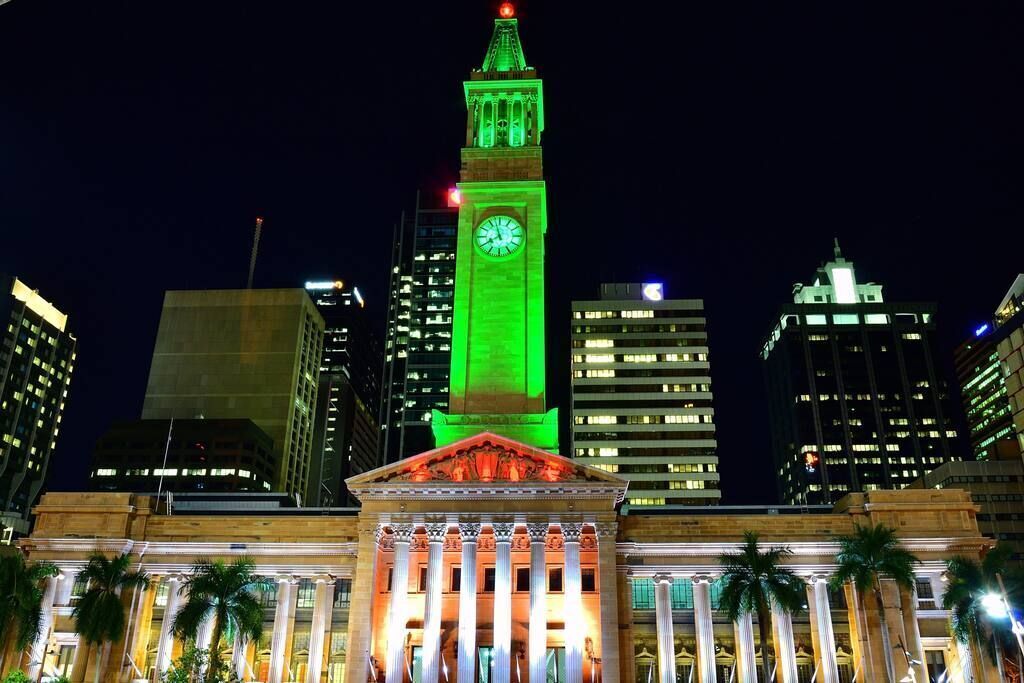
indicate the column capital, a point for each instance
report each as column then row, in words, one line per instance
column 571, row 531
column 503, row 531
column 704, row 578
column 323, row 578
column 286, row 578
column 436, row 531
column 818, row 577
column 469, row 531
column 402, row 532
column 663, row 578
column 606, row 530
column 538, row 531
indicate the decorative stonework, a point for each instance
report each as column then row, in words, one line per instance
column 436, row 531
column 571, row 531
column 503, row 531
column 486, row 463
column 537, row 531
column 469, row 531
column 402, row 533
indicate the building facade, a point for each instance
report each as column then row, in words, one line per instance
column 210, row 455
column 417, row 354
column 1010, row 319
column 641, row 394
column 242, row 353
column 37, row 356
column 491, row 561
column 345, row 432
column 985, row 376
column 997, row 486
column 856, row 400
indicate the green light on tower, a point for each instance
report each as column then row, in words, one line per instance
column 497, row 378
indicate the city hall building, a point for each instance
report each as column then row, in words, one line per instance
column 490, row 559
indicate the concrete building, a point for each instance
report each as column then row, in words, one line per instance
column 1010, row 319
column 856, row 399
column 210, row 455
column 345, row 432
column 985, row 378
column 37, row 356
column 418, row 343
column 242, row 353
column 997, row 486
column 641, row 394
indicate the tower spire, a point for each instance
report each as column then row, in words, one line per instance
column 505, row 51
column 835, row 248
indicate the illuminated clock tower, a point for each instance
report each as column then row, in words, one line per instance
column 497, row 363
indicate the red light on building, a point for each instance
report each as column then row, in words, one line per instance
column 811, row 461
column 454, row 197
column 507, row 10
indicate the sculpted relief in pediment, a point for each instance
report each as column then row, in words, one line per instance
column 487, row 463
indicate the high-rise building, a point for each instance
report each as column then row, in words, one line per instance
column 985, row 380
column 641, row 394
column 345, row 430
column 209, row 455
column 417, row 353
column 856, row 402
column 242, row 353
column 1010, row 321
column 37, row 355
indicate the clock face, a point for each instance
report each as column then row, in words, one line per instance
column 499, row 236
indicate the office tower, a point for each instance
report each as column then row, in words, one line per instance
column 345, row 430
column 641, row 394
column 242, row 353
column 1010, row 322
column 37, row 355
column 984, row 382
column 209, row 455
column 417, row 350
column 856, row 402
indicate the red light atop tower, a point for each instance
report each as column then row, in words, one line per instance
column 507, row 10
column 454, row 197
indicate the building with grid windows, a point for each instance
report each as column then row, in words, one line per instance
column 1010, row 319
column 242, row 353
column 855, row 399
column 345, row 432
column 37, row 355
column 417, row 346
column 984, row 374
column 641, row 394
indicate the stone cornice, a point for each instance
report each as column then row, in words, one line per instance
column 799, row 548
column 193, row 548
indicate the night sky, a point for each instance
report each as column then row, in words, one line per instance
column 716, row 146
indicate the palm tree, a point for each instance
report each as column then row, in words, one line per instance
column 753, row 581
column 968, row 581
column 865, row 557
column 21, row 601
column 225, row 593
column 100, row 613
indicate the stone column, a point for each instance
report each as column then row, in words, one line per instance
column 826, row 644
column 323, row 603
column 746, row 659
column 364, row 588
column 574, row 637
column 503, row 601
column 283, row 615
column 436, row 531
column 912, row 630
column 666, row 640
column 37, row 653
column 174, row 604
column 785, row 647
column 705, row 628
column 395, row 672
column 607, row 577
column 538, row 601
column 466, row 673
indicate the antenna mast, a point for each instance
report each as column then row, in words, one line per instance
column 255, row 249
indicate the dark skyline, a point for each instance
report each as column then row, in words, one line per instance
column 717, row 148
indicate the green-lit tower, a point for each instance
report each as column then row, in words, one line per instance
column 497, row 366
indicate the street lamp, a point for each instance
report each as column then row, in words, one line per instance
column 995, row 606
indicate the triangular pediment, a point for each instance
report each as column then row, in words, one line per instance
column 485, row 461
